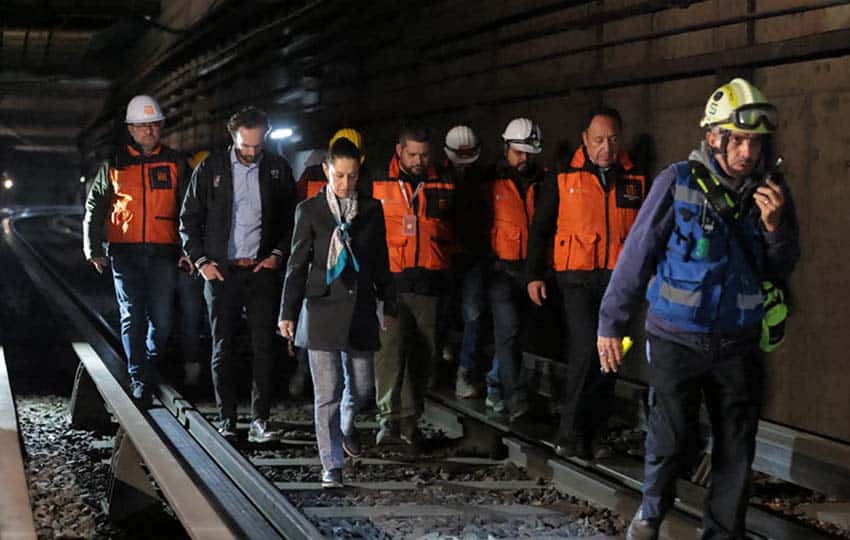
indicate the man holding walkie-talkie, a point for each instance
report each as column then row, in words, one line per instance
column 712, row 235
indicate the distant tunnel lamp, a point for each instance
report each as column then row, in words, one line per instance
column 82, row 179
column 281, row 133
column 8, row 183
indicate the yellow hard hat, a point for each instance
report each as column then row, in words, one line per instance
column 352, row 135
column 740, row 106
column 198, row 157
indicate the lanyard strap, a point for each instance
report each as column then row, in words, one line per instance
column 407, row 201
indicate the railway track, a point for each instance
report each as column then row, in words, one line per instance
column 478, row 470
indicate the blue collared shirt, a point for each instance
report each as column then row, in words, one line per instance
column 246, row 219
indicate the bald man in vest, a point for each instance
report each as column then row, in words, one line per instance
column 588, row 207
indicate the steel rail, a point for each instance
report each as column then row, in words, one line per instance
column 262, row 512
column 16, row 519
column 613, row 483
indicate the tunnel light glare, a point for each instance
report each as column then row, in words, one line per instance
column 8, row 183
column 281, row 133
column 82, row 179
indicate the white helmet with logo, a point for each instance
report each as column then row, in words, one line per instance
column 462, row 147
column 740, row 106
column 143, row 109
column 524, row 135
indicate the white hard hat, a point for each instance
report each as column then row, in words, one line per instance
column 524, row 135
column 462, row 146
column 740, row 106
column 143, row 109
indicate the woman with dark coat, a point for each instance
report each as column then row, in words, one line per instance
column 337, row 276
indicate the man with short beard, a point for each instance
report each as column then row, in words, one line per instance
column 418, row 209
column 133, row 207
column 236, row 226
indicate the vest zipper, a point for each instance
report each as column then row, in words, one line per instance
column 144, row 204
column 418, row 225
column 607, row 229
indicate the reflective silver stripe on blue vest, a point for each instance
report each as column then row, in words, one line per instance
column 703, row 282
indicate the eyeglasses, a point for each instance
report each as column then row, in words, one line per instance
column 147, row 125
column 465, row 152
column 753, row 115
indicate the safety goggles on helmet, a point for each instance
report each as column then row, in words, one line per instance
column 464, row 152
column 532, row 140
column 752, row 116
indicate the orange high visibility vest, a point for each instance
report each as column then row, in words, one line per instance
column 511, row 218
column 432, row 244
column 592, row 222
column 145, row 204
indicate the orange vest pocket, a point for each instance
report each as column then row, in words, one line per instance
column 507, row 241
column 395, row 250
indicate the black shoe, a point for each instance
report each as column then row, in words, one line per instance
column 388, row 434
column 351, row 444
column 227, row 429
column 142, row 395
column 518, row 410
column 410, row 433
column 573, row 446
column 642, row 529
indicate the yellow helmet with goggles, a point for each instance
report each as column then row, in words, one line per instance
column 740, row 106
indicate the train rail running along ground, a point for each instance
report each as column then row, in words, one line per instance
column 477, row 476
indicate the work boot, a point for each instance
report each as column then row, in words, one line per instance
column 642, row 529
column 465, row 389
column 351, row 444
column 388, row 434
column 332, row 479
column 259, row 433
column 518, row 410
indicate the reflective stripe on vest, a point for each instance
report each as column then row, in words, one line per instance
column 593, row 223
column 708, row 288
column 144, row 201
column 431, row 246
column 511, row 218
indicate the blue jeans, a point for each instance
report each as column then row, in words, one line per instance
column 342, row 382
column 145, row 278
column 728, row 374
column 472, row 304
column 190, row 297
column 508, row 302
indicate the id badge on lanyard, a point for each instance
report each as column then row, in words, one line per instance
column 408, row 222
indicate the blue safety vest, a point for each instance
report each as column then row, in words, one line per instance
column 703, row 282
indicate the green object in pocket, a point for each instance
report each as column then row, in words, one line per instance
column 775, row 314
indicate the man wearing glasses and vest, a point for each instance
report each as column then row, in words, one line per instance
column 712, row 229
column 590, row 207
column 418, row 210
column 133, row 206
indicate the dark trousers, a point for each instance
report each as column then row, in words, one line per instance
column 588, row 394
column 405, row 361
column 728, row 374
column 190, row 299
column 472, row 307
column 259, row 292
column 509, row 303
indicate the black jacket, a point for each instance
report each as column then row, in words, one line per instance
column 342, row 314
column 205, row 220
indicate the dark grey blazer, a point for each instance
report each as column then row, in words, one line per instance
column 341, row 315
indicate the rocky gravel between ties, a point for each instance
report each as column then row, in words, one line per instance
column 68, row 476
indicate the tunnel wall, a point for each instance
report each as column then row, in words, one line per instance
column 483, row 63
